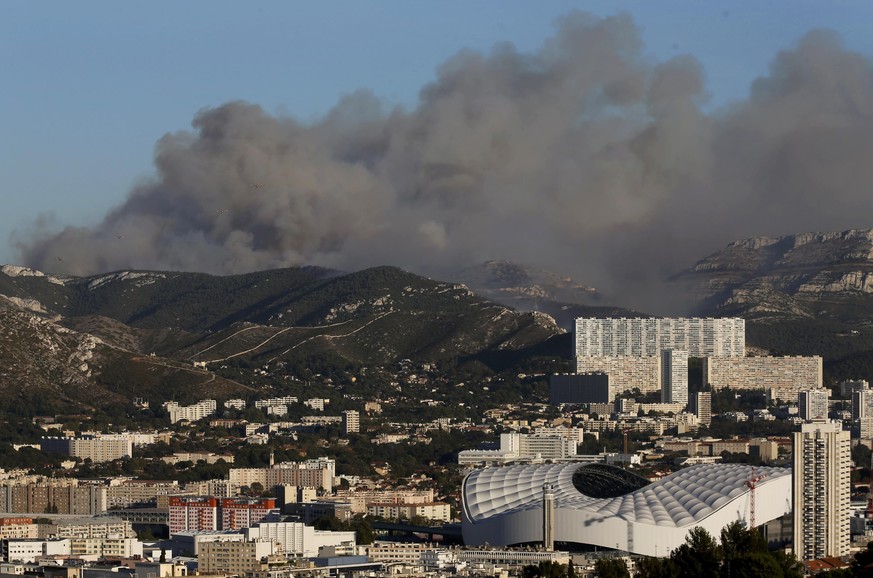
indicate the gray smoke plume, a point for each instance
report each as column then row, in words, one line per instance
column 583, row 157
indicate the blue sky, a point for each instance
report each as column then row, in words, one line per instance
column 87, row 88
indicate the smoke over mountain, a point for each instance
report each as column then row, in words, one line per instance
column 583, row 156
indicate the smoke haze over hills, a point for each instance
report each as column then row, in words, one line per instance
column 584, row 157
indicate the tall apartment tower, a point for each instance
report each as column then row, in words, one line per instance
column 813, row 404
column 351, row 422
column 674, row 376
column 700, row 405
column 822, row 466
column 862, row 402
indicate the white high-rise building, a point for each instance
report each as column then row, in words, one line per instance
column 643, row 337
column 822, row 466
column 813, row 404
column 96, row 449
column 199, row 410
column 674, row 376
column 701, row 406
column 351, row 422
column 862, row 402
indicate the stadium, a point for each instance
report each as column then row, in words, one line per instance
column 596, row 505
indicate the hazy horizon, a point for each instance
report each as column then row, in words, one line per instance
column 582, row 155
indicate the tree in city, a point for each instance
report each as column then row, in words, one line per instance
column 545, row 569
column 699, row 557
column 611, row 568
column 651, row 567
column 862, row 565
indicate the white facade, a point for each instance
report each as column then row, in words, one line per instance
column 518, row 446
column 106, row 547
column 865, row 426
column 504, row 506
column 821, row 491
column 199, row 410
column 701, row 406
column 297, row 539
column 315, row 403
column 674, row 376
column 190, row 542
column 394, row 511
column 862, row 402
column 93, row 528
column 235, row 403
column 641, row 337
column 96, row 449
column 276, row 401
column 351, row 422
column 29, row 550
column 813, row 404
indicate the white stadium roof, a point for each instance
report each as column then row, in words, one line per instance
column 503, row 505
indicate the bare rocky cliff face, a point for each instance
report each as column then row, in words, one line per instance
column 813, row 275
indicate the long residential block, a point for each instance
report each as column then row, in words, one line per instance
column 642, row 337
column 787, row 376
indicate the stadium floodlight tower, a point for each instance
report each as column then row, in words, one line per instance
column 548, row 517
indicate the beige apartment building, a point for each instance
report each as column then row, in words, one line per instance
column 106, row 547
column 53, row 497
column 624, row 371
column 433, row 511
column 233, row 557
column 821, row 492
column 317, row 473
column 96, row 449
column 786, row 376
column 397, row 552
column 18, row 528
column 359, row 500
column 125, row 493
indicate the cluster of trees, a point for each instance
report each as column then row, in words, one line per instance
column 360, row 524
column 549, row 570
column 740, row 553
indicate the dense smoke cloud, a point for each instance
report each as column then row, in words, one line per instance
column 584, row 157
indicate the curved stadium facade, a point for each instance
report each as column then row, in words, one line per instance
column 605, row 506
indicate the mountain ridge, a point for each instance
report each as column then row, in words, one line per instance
column 807, row 275
column 151, row 332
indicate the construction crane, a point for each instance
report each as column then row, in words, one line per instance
column 752, row 483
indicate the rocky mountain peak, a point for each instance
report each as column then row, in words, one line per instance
column 788, row 275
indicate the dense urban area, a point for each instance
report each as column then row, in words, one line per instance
column 654, row 458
